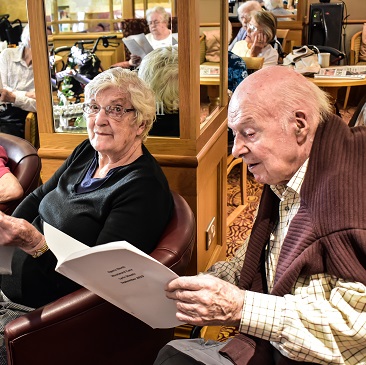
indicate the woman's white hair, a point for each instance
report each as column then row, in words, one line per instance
column 159, row 69
column 160, row 10
column 273, row 4
column 141, row 96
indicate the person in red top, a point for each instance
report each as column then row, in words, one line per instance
column 10, row 188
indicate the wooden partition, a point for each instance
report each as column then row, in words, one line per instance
column 195, row 163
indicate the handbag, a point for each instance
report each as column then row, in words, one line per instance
column 303, row 60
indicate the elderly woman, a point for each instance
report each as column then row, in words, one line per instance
column 261, row 31
column 17, row 86
column 244, row 11
column 160, row 35
column 109, row 189
column 159, row 69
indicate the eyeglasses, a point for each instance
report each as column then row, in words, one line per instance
column 115, row 112
column 154, row 22
column 252, row 28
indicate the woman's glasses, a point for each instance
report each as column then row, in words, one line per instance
column 115, row 112
column 252, row 28
column 153, row 22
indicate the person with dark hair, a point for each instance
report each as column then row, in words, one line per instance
column 17, row 90
column 296, row 288
column 261, row 31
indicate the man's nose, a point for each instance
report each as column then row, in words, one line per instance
column 239, row 148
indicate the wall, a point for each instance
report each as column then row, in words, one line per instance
column 16, row 9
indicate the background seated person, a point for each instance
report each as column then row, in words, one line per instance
column 244, row 11
column 160, row 35
column 16, row 71
column 109, row 189
column 277, row 9
column 260, row 33
column 10, row 188
column 159, row 69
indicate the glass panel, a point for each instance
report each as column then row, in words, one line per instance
column 210, row 80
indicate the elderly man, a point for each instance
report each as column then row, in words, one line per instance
column 296, row 289
column 244, row 11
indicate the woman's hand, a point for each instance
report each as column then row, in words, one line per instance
column 260, row 41
column 19, row 233
column 135, row 60
column 206, row 300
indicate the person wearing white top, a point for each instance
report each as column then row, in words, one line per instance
column 261, row 31
column 17, row 88
column 160, row 35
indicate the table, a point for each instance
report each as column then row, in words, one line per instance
column 331, row 86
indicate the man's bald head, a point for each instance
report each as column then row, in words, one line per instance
column 278, row 91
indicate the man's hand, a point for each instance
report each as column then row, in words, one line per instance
column 206, row 300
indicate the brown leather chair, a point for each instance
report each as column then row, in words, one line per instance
column 24, row 163
column 81, row 328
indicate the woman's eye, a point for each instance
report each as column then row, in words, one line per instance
column 117, row 108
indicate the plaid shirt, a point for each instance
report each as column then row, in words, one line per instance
column 323, row 320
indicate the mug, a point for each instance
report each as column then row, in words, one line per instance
column 324, row 59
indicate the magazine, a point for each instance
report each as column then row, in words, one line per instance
column 118, row 272
column 342, row 72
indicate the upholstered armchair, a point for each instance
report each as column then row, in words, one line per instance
column 81, row 328
column 24, row 163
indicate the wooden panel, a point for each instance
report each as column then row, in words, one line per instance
column 195, row 163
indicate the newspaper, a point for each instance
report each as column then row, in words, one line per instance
column 209, row 71
column 342, row 72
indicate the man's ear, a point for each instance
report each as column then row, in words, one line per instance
column 302, row 126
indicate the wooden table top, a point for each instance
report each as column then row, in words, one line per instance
column 337, row 82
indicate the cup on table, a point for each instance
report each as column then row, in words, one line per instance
column 324, row 59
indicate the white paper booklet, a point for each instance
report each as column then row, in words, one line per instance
column 342, row 72
column 118, row 272
column 6, row 256
column 138, row 44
